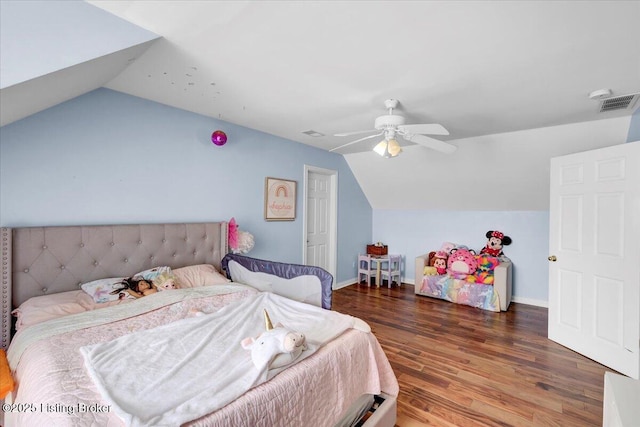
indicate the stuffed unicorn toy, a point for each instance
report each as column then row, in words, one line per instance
column 275, row 347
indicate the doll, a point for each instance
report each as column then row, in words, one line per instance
column 439, row 261
column 135, row 287
column 165, row 281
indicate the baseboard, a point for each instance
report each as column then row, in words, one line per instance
column 353, row 281
column 345, row 283
column 529, row 301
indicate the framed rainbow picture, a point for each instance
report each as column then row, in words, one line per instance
column 279, row 199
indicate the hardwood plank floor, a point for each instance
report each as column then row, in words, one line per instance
column 462, row 366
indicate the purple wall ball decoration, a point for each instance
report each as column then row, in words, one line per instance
column 219, row 138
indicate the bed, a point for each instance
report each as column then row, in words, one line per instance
column 61, row 362
column 491, row 297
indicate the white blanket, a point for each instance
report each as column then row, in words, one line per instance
column 178, row 372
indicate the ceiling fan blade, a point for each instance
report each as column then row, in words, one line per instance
column 355, row 133
column 434, row 144
column 357, row 140
column 424, row 129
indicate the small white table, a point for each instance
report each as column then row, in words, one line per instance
column 393, row 267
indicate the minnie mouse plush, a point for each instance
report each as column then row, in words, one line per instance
column 496, row 241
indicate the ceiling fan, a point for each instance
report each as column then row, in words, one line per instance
column 392, row 125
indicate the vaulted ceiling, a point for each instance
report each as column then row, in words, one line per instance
column 476, row 67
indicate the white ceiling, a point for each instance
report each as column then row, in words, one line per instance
column 476, row 67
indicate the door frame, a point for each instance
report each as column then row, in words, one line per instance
column 333, row 216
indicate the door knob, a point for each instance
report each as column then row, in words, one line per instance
column 552, row 258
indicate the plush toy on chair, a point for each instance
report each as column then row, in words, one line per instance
column 461, row 262
column 440, row 262
column 496, row 241
column 276, row 347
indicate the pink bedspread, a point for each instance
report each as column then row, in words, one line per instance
column 54, row 388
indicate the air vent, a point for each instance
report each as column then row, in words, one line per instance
column 624, row 102
column 313, row 133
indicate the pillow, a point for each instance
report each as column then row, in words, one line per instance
column 105, row 290
column 120, row 288
column 199, row 275
column 152, row 273
column 46, row 307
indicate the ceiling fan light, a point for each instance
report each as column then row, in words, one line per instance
column 388, row 149
column 394, row 148
column 381, row 148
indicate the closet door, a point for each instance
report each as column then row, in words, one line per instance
column 594, row 255
column 320, row 218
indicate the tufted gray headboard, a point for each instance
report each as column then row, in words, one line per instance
column 45, row 260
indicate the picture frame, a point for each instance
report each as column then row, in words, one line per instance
column 279, row 199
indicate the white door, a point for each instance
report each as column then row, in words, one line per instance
column 594, row 254
column 320, row 215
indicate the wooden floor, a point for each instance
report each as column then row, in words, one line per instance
column 462, row 366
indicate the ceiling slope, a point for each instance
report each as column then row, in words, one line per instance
column 501, row 172
column 52, row 51
column 476, row 67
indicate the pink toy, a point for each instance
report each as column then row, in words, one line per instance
column 233, row 233
column 440, row 262
column 240, row 242
column 447, row 247
column 461, row 263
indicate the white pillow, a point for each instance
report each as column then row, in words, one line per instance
column 306, row 288
column 199, row 275
column 105, row 290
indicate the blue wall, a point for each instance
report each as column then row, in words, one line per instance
column 107, row 158
column 414, row 233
